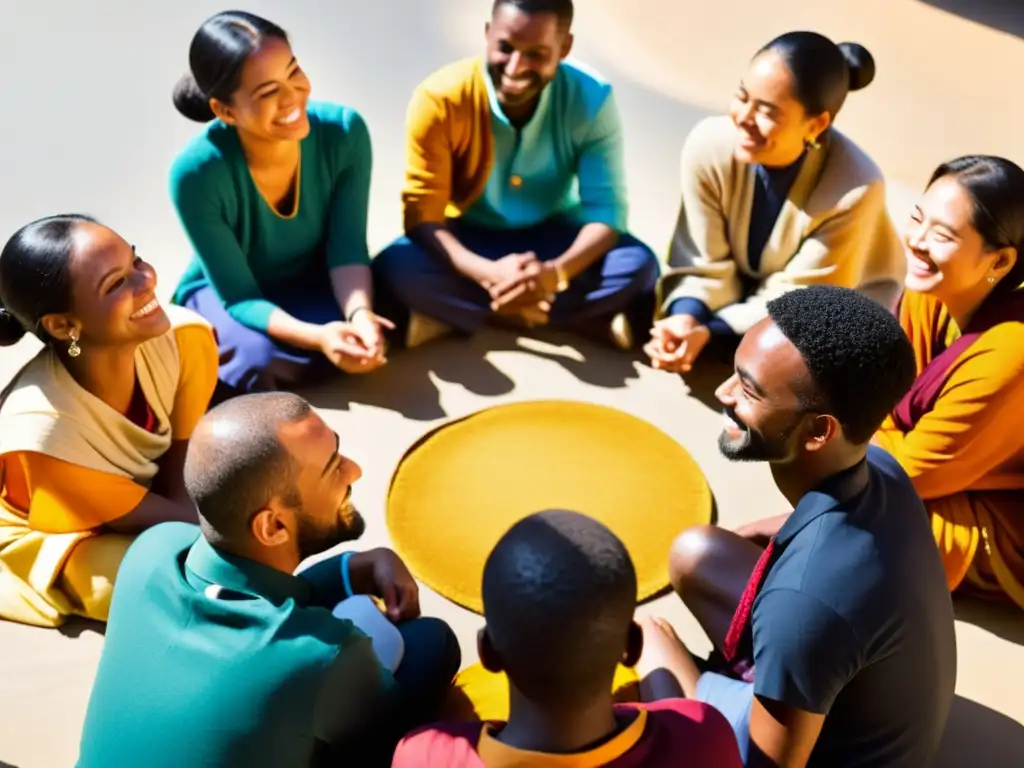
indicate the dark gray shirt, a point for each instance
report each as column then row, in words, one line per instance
column 854, row 620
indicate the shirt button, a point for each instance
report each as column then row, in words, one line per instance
column 516, row 181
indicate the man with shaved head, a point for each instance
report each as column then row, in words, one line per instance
column 559, row 592
column 218, row 654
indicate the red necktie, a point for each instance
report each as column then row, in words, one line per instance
column 741, row 618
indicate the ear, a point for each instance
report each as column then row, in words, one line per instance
column 487, row 30
column 223, row 111
column 634, row 645
column 59, row 327
column 489, row 658
column 567, row 44
column 270, row 528
column 822, row 431
column 1004, row 260
column 818, row 125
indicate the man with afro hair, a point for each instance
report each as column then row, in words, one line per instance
column 833, row 624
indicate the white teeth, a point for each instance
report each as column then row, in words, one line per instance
column 291, row 117
column 146, row 310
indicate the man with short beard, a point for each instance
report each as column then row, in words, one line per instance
column 216, row 654
column 833, row 625
column 514, row 201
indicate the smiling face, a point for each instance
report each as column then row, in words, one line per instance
column 946, row 256
column 763, row 413
column 326, row 516
column 113, row 293
column 772, row 126
column 270, row 102
column 523, row 53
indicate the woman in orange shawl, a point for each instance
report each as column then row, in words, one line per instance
column 93, row 429
column 955, row 432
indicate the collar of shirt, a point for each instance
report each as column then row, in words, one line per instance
column 219, row 570
column 833, row 493
column 498, row 114
column 495, row 754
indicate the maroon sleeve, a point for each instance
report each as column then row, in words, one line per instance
column 451, row 745
column 696, row 730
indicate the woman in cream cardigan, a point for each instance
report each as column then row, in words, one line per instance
column 774, row 198
column 93, row 429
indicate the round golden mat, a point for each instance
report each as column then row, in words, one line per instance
column 465, row 483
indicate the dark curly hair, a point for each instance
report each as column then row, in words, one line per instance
column 860, row 360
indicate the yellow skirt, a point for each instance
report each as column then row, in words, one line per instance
column 981, row 539
column 47, row 577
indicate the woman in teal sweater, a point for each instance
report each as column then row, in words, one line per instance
column 273, row 195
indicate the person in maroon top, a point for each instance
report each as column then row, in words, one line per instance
column 559, row 592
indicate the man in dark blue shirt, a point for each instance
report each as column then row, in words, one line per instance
column 833, row 625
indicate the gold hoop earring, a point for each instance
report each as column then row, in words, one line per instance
column 73, row 349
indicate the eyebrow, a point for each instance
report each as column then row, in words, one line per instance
column 771, row 106
column 945, row 225
column 746, row 378
column 272, row 82
column 334, row 456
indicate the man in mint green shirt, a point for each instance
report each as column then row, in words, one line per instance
column 217, row 655
column 515, row 195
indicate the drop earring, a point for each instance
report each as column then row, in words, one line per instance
column 813, row 143
column 73, row 349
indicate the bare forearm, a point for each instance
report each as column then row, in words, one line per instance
column 352, row 285
column 290, row 330
column 593, row 241
column 443, row 245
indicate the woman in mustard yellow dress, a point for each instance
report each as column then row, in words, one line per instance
column 957, row 432
column 93, row 428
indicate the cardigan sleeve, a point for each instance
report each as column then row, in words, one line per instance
column 835, row 253
column 348, row 142
column 700, row 261
column 428, row 153
column 966, row 435
column 198, row 193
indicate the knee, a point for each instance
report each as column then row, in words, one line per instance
column 438, row 637
column 256, row 351
column 400, row 264
column 637, row 262
column 691, row 554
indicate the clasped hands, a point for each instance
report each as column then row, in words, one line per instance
column 521, row 286
column 676, row 342
column 356, row 346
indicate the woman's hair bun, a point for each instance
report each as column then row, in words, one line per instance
column 190, row 101
column 11, row 329
column 861, row 64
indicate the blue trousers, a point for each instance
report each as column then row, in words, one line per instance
column 251, row 361
column 419, row 282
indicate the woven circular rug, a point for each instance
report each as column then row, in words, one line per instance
column 461, row 486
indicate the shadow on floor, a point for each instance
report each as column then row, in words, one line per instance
column 978, row 736
column 1001, row 619
column 7, row 765
column 1004, row 15
column 405, row 385
column 77, row 627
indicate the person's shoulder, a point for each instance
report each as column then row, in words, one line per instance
column 207, row 158
column 453, row 82
column 849, row 176
column 156, row 549
column 337, row 121
column 585, row 87
column 697, row 727
column 711, row 142
column 452, row 745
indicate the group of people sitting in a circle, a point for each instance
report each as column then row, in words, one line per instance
column 876, row 373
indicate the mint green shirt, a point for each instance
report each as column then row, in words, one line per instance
column 244, row 249
column 567, row 160
column 211, row 659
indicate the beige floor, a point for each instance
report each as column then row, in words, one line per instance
column 89, row 126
